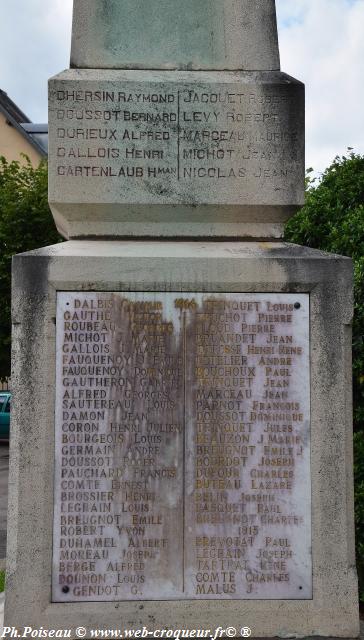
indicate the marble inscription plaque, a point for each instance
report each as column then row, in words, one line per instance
column 182, row 447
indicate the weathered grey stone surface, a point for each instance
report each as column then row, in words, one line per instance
column 137, row 153
column 186, row 267
column 170, row 34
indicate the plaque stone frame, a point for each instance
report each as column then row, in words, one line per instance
column 184, row 266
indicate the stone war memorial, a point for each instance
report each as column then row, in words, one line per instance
column 181, row 454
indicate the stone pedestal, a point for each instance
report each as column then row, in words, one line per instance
column 181, row 437
column 216, row 271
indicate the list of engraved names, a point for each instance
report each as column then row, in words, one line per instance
column 228, row 138
column 182, row 447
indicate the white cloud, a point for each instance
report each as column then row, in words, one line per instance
column 35, row 38
column 321, row 41
column 322, row 44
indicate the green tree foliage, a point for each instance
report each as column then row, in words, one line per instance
column 333, row 220
column 25, row 223
column 2, row 581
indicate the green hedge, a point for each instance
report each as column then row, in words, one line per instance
column 26, row 223
column 2, row 581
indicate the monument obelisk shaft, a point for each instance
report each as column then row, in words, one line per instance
column 225, row 35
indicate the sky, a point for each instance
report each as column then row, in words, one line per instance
column 321, row 44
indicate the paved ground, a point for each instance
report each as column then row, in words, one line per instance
column 4, row 470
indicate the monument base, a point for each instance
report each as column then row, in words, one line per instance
column 330, row 607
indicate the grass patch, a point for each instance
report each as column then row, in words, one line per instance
column 2, row 581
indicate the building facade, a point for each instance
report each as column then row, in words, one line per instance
column 19, row 136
